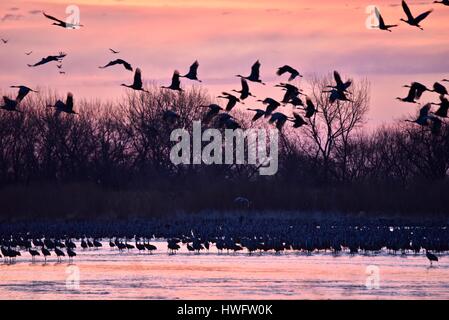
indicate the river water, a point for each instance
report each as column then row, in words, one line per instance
column 108, row 274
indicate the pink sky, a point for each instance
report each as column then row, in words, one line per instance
column 226, row 36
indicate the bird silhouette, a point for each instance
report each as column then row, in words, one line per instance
column 9, row 105
column 255, row 73
column 418, row 88
column 431, row 257
column 442, row 111
column 46, row 253
column 48, row 59
column 61, row 23
column 23, row 92
column 411, row 20
column 298, row 120
column 279, row 119
column 175, row 82
column 114, row 51
column 66, row 107
column 411, row 96
column 439, row 88
column 71, row 253
column 28, row 53
column 33, row 253
column 382, row 25
column 59, row 254
column 423, row 118
column 311, row 110
column 271, row 106
column 259, row 114
column 193, row 72
column 244, row 93
column 337, row 95
column 137, row 84
column 232, row 100
column 5, row 41
column 340, row 85
column 287, row 69
column 118, row 62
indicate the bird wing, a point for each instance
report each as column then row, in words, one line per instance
column 125, row 64
column 338, row 78
column 69, row 102
column 138, row 78
column 282, row 70
column 379, row 17
column 194, row 68
column 309, row 103
column 175, row 81
column 23, row 91
column 422, row 16
column 245, row 86
column 424, row 111
column 255, row 70
column 407, row 10
column 53, row 18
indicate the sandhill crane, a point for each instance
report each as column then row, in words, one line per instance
column 222, row 118
column 33, row 253
column 84, row 244
column 23, row 91
column 443, row 2
column 439, row 88
column 97, row 244
column 310, row 109
column 244, row 93
column 287, row 69
column 271, row 105
column 337, row 95
column 129, row 246
column 175, row 82
column 61, row 23
column 114, row 51
column 412, row 20
column 137, row 84
column 190, row 248
column 382, row 25
column 46, row 253
column 296, row 102
column 442, row 111
column 59, row 254
column 411, row 96
column 214, row 109
column 279, row 119
column 172, row 245
column 118, row 62
column 4, row 41
column 111, row 244
column 150, row 247
column 57, row 58
column 298, row 120
column 423, row 118
column 431, row 257
column 418, row 88
column 255, row 73
column 9, row 105
column 66, row 107
column 232, row 100
column 140, row 246
column 193, row 72
column 340, row 85
column 71, row 253
column 259, row 114
column 28, row 53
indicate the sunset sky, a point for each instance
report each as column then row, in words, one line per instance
column 226, row 36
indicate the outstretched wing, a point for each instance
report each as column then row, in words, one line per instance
column 338, row 79
column 53, row 18
column 283, row 70
column 175, row 80
column 422, row 16
column 69, row 102
column 138, row 78
column 379, row 17
column 255, row 70
column 23, row 91
column 424, row 112
column 407, row 10
column 194, row 68
column 245, row 86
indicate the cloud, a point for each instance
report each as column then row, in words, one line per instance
column 11, row 17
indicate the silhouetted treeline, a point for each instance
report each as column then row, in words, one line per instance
column 113, row 160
